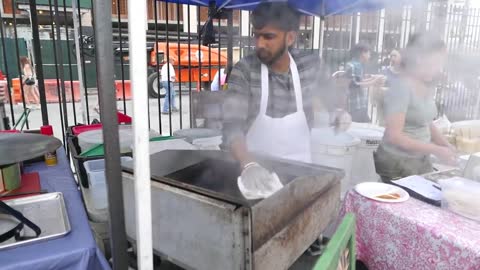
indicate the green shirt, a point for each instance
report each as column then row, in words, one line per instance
column 419, row 114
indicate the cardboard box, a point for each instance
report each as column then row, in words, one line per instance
column 2, row 186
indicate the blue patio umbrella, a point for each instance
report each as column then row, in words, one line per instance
column 309, row 7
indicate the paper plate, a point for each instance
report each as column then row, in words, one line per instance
column 382, row 192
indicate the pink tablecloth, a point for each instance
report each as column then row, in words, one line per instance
column 413, row 235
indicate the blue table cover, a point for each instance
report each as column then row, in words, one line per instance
column 76, row 250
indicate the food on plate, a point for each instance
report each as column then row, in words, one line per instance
column 389, row 196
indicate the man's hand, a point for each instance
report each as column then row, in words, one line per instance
column 379, row 80
column 451, row 147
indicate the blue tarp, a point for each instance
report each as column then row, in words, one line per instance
column 310, row 7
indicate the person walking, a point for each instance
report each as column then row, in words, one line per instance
column 167, row 79
column 30, row 90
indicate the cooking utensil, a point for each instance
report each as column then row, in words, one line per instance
column 24, row 146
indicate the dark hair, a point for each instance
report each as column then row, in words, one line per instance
column 419, row 45
column 358, row 49
column 280, row 15
column 24, row 61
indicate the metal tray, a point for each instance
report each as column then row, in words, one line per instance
column 47, row 211
column 435, row 176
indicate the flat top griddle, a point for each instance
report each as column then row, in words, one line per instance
column 215, row 173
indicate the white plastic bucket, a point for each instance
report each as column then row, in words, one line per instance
column 371, row 135
column 363, row 169
column 96, row 170
column 334, row 150
column 322, row 119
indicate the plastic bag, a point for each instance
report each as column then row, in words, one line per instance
column 443, row 124
column 461, row 196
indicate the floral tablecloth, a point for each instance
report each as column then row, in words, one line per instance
column 413, row 235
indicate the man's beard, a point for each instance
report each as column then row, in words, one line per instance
column 269, row 59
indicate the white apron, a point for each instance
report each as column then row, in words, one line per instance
column 287, row 137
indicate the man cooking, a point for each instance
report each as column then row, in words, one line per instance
column 269, row 104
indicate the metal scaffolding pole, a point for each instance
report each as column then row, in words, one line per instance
column 59, row 53
column 76, row 31
column 108, row 116
column 37, row 53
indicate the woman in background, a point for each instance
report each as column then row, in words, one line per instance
column 393, row 70
column 410, row 136
column 30, row 89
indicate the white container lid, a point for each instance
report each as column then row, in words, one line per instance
column 327, row 136
column 366, row 131
column 173, row 144
column 197, row 133
column 466, row 123
column 208, row 141
column 125, row 133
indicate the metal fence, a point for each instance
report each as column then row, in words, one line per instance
column 200, row 47
column 59, row 38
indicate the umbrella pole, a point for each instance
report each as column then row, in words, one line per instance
column 319, row 26
column 137, row 15
column 230, row 42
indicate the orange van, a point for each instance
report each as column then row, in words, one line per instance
column 196, row 64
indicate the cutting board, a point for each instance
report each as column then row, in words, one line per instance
column 30, row 184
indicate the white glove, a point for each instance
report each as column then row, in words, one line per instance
column 257, row 182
